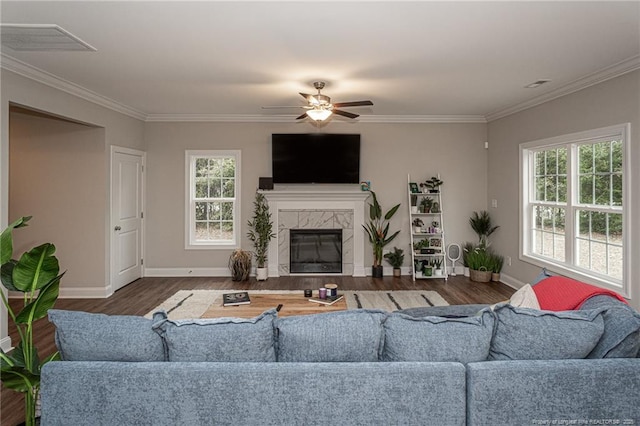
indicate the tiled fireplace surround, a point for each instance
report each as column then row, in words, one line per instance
column 317, row 209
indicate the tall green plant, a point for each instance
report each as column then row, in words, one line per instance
column 378, row 228
column 481, row 224
column 36, row 275
column 261, row 227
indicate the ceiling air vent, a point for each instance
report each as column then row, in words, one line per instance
column 41, row 38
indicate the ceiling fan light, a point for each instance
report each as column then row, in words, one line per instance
column 319, row 114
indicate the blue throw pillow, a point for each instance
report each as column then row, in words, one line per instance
column 523, row 333
column 342, row 336
column 218, row 339
column 435, row 339
column 621, row 338
column 83, row 336
column 541, row 276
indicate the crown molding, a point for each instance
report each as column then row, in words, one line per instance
column 16, row 66
column 623, row 67
column 241, row 118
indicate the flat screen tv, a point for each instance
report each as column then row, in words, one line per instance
column 315, row 158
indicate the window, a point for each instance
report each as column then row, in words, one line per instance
column 573, row 205
column 213, row 209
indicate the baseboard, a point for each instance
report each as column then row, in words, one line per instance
column 187, row 272
column 511, row 282
column 73, row 293
column 5, row 344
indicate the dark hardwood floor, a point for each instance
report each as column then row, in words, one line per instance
column 143, row 295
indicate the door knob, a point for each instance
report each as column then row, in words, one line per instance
column 117, row 228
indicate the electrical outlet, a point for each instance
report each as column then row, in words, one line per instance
column 494, row 203
column 508, row 260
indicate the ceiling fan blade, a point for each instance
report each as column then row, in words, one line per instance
column 345, row 113
column 352, row 104
column 283, row 106
column 307, row 96
column 302, row 116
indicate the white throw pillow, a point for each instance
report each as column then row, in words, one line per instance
column 525, row 297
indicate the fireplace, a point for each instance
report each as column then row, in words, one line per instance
column 315, row 251
column 318, row 207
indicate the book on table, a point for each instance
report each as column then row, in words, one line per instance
column 330, row 300
column 235, row 299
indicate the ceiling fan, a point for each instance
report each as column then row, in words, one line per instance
column 320, row 107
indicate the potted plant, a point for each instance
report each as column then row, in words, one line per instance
column 427, row 269
column 417, row 225
column 414, row 204
column 240, row 265
column 425, row 205
column 421, row 247
column 423, row 188
column 418, row 267
column 36, row 275
column 496, row 266
column 260, row 233
column 481, row 224
column 466, row 249
column 437, row 266
column 396, row 259
column 480, row 264
column 434, row 185
column 378, row 231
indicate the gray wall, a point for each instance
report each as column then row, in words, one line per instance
column 118, row 129
column 613, row 102
column 56, row 175
column 388, row 153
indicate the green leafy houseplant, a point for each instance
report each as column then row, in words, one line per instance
column 433, row 184
column 480, row 261
column 261, row 228
column 481, row 225
column 396, row 259
column 378, row 231
column 36, row 275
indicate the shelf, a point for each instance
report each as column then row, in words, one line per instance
column 436, row 239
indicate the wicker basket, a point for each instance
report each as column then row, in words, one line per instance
column 480, row 276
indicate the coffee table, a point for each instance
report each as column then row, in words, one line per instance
column 292, row 304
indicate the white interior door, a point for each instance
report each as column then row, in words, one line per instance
column 126, row 217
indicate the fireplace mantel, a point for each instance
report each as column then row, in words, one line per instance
column 316, row 200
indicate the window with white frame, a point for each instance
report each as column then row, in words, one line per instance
column 573, row 204
column 213, row 208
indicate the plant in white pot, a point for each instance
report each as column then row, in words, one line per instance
column 417, row 225
column 437, row 267
column 36, row 276
column 260, row 233
column 378, row 232
column 396, row 259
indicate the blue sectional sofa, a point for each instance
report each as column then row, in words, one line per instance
column 507, row 366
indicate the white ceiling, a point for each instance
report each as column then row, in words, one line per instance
column 414, row 60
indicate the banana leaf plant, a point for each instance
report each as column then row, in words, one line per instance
column 36, row 276
column 378, row 228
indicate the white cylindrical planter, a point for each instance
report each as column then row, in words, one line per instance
column 466, row 272
column 262, row 274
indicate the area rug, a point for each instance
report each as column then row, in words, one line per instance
column 194, row 303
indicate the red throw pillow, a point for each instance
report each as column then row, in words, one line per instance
column 564, row 294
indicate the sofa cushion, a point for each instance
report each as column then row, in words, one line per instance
column 436, row 339
column 83, row 336
column 621, row 338
column 523, row 333
column 452, row 311
column 343, row 336
column 218, row 339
